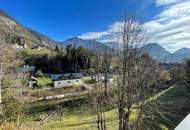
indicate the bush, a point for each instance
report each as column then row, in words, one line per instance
column 43, row 81
column 7, row 126
column 11, row 109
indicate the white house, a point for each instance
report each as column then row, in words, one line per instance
column 101, row 77
column 37, row 47
column 185, row 124
column 19, row 46
column 67, row 80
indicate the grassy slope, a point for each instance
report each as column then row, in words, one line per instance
column 174, row 105
column 35, row 52
column 173, row 99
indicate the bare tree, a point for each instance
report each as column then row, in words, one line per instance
column 9, row 60
column 135, row 74
column 106, row 65
column 6, row 58
column 99, row 93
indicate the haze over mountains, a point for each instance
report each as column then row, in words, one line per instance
column 9, row 27
column 90, row 44
column 157, row 52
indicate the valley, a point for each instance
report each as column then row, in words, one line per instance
column 109, row 80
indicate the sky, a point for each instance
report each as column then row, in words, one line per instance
column 167, row 21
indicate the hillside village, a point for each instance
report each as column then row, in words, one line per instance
column 86, row 84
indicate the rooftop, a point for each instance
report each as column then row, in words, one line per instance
column 25, row 69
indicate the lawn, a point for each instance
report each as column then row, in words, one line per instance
column 81, row 117
column 35, row 52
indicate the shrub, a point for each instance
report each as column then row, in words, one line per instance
column 7, row 126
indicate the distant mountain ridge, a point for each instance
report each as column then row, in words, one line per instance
column 89, row 44
column 159, row 53
column 155, row 50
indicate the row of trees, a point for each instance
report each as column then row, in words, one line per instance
column 182, row 72
column 74, row 60
column 135, row 75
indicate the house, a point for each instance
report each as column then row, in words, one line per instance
column 37, row 47
column 27, row 70
column 20, row 46
column 67, row 80
column 17, row 41
column 185, row 124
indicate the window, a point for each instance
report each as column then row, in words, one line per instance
column 59, row 82
column 77, row 81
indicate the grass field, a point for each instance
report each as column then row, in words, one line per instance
column 83, row 118
column 35, row 52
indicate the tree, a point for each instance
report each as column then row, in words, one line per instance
column 182, row 72
column 135, row 75
column 57, row 49
column 106, row 65
column 77, row 58
column 187, row 72
column 99, row 97
column 10, row 83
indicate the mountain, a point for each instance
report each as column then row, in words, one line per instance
column 157, row 52
column 90, row 44
column 183, row 51
column 10, row 30
column 113, row 45
column 181, row 54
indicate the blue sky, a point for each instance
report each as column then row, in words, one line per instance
column 60, row 19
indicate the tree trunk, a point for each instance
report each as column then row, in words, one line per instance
column 1, row 74
column 105, row 84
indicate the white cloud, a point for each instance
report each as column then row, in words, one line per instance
column 170, row 28
column 165, row 2
column 93, row 35
column 176, row 11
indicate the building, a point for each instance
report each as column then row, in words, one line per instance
column 29, row 71
column 67, row 80
column 37, row 47
column 19, row 46
column 19, row 43
column 25, row 69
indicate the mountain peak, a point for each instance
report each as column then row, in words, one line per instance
column 90, row 44
column 153, row 45
column 73, row 38
column 159, row 53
